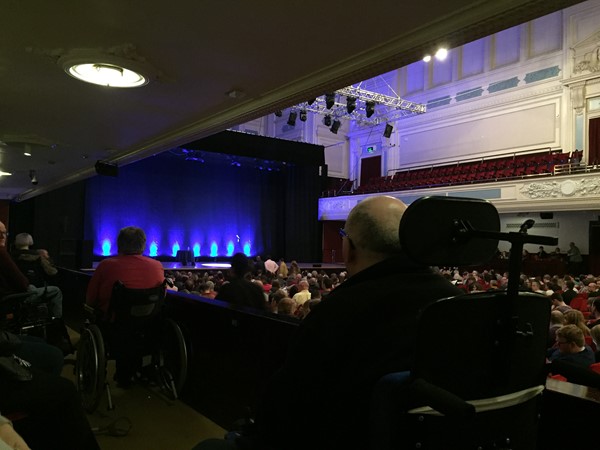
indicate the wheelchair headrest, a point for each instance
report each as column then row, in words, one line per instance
column 432, row 231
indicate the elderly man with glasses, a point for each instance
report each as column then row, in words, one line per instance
column 13, row 281
column 364, row 329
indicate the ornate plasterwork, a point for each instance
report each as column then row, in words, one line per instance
column 586, row 55
column 583, row 187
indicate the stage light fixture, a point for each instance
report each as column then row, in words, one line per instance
column 303, row 115
column 335, row 126
column 292, row 118
column 350, row 104
column 278, row 113
column 327, row 120
column 329, row 100
column 369, row 108
column 388, row 130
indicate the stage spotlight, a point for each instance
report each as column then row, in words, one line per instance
column 327, row 120
column 370, row 108
column 278, row 113
column 292, row 118
column 335, row 126
column 388, row 130
column 350, row 104
column 329, row 100
column 303, row 115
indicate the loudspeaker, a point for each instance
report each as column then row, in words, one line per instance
column 106, row 169
column 546, row 215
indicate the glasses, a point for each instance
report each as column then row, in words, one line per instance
column 345, row 235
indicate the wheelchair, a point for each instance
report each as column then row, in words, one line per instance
column 136, row 330
column 483, row 389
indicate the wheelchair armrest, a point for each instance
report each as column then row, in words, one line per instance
column 439, row 399
column 14, row 298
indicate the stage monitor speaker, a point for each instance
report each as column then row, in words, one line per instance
column 546, row 215
column 106, row 169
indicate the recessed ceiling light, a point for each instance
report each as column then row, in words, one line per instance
column 105, row 74
column 27, row 154
column 441, row 54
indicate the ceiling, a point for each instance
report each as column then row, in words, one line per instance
column 270, row 54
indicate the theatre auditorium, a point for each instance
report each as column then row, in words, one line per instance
column 320, row 225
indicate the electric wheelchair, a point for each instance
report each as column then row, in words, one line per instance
column 24, row 314
column 481, row 389
column 135, row 332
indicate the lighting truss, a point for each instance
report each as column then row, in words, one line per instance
column 387, row 108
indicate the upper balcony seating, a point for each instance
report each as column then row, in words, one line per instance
column 497, row 169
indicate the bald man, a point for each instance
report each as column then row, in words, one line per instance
column 362, row 330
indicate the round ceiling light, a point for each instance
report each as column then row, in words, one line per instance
column 105, row 74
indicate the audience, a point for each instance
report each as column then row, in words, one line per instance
column 571, row 347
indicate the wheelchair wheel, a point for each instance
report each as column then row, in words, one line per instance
column 172, row 359
column 91, row 367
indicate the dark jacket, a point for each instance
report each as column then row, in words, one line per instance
column 364, row 329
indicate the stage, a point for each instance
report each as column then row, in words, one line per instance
column 224, row 266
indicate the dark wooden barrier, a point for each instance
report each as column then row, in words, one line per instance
column 234, row 352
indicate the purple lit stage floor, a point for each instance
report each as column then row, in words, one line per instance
column 329, row 267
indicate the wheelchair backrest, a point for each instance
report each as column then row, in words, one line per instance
column 135, row 307
column 483, row 345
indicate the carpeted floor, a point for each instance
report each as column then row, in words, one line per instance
column 154, row 421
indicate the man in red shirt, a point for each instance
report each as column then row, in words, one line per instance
column 135, row 271
column 130, row 267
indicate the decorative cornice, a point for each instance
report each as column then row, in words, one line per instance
column 583, row 187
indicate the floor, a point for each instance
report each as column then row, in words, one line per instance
column 154, row 421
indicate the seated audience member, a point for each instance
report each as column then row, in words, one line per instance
column 364, row 329
column 207, row 289
column 13, row 281
column 571, row 347
column 283, row 269
column 575, row 317
column 275, row 298
column 594, row 318
column 303, row 294
column 52, row 406
column 286, row 307
column 570, row 293
column 558, row 304
column 35, row 264
column 130, row 267
column 595, row 332
column 556, row 321
column 135, row 271
column 542, row 254
column 239, row 290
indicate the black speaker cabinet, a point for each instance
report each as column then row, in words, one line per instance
column 106, row 169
